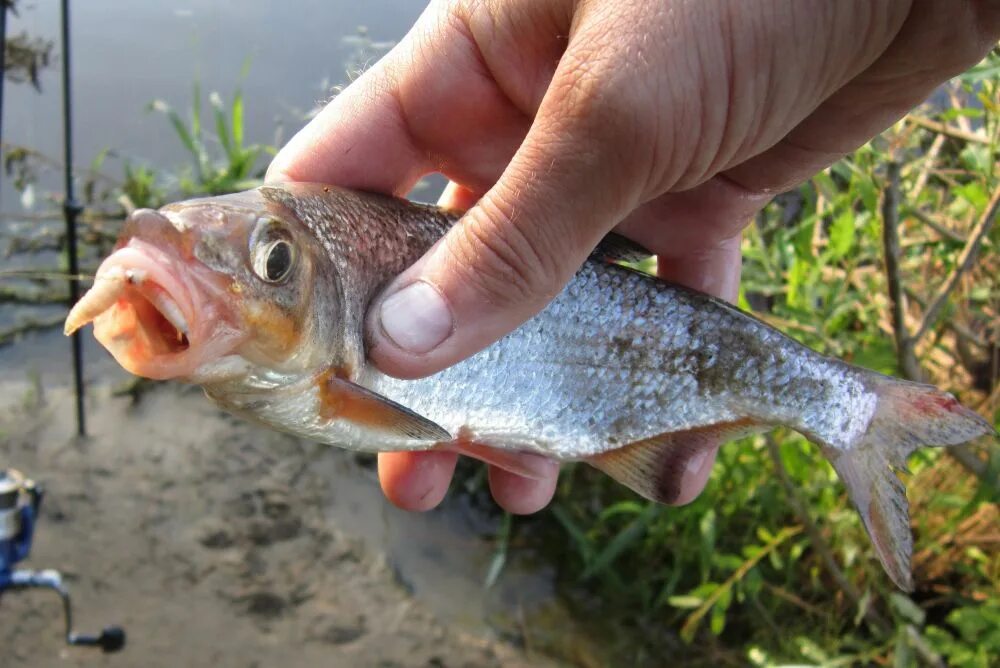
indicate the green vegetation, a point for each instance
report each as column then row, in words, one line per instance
column 771, row 565
column 235, row 166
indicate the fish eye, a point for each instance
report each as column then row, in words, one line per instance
column 272, row 251
column 277, row 261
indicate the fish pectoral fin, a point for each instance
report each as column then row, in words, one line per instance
column 653, row 467
column 616, row 248
column 524, row 464
column 344, row 400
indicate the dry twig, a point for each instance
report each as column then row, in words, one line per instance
column 929, row 160
column 948, row 130
column 965, row 260
column 905, row 344
column 927, row 220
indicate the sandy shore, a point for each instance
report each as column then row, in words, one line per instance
column 211, row 542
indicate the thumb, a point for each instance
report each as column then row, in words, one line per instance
column 516, row 248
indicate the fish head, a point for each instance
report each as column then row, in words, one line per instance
column 213, row 290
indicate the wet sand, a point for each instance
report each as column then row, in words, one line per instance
column 214, row 543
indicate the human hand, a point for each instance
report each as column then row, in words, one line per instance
column 558, row 120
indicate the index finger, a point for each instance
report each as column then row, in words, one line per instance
column 359, row 140
column 429, row 105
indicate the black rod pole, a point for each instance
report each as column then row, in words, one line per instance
column 3, row 58
column 71, row 209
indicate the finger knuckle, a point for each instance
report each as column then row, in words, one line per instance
column 588, row 89
column 500, row 261
column 605, row 105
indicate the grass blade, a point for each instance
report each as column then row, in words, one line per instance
column 237, row 116
column 500, row 555
column 583, row 546
column 621, row 542
column 196, row 111
column 221, row 126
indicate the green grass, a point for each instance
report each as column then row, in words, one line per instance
column 221, row 161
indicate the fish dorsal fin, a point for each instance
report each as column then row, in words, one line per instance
column 653, row 467
column 616, row 248
column 341, row 399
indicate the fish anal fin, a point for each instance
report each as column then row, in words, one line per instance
column 341, row 399
column 654, row 467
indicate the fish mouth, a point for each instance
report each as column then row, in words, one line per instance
column 158, row 315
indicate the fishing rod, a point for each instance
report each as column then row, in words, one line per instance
column 20, row 502
column 71, row 209
column 3, row 59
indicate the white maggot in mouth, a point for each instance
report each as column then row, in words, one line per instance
column 106, row 291
column 153, row 314
column 109, row 287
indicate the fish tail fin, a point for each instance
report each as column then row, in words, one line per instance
column 907, row 416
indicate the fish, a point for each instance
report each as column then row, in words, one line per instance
column 260, row 298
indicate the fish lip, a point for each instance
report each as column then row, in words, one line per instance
column 189, row 296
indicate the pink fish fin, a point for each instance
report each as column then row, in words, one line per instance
column 524, row 464
column 907, row 416
column 340, row 399
column 653, row 467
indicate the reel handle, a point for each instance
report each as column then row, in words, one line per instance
column 111, row 639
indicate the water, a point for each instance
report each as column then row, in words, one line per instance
column 127, row 54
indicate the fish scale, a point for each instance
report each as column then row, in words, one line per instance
column 573, row 384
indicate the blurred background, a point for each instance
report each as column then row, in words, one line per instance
column 215, row 543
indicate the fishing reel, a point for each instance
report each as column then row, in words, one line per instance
column 20, row 499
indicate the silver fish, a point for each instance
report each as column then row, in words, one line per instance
column 260, row 298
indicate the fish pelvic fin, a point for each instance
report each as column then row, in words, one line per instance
column 653, row 467
column 525, row 464
column 341, row 399
column 907, row 416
